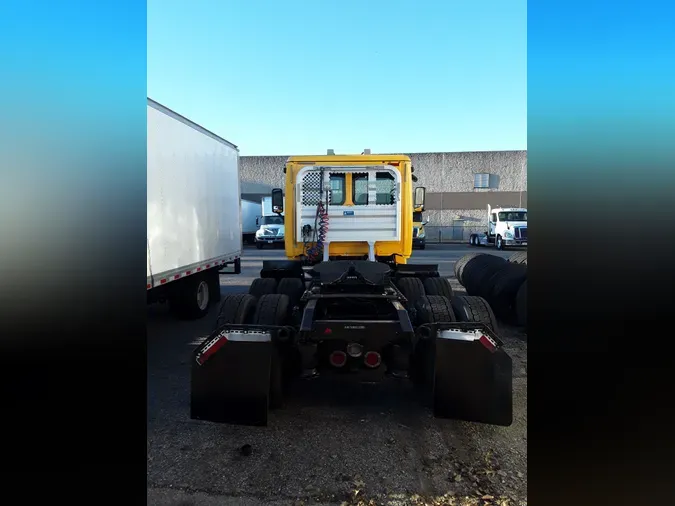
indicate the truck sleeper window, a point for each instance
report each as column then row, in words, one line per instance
column 337, row 189
column 384, row 183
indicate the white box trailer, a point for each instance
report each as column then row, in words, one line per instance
column 250, row 214
column 194, row 214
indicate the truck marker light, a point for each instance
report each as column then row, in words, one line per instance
column 372, row 359
column 338, row 358
column 327, row 331
column 488, row 343
column 213, row 346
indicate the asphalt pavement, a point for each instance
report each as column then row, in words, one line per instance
column 332, row 443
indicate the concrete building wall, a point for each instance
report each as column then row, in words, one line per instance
column 454, row 208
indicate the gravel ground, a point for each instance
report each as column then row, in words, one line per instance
column 333, row 443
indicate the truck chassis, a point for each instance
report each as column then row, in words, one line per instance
column 352, row 317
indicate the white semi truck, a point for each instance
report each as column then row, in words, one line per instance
column 506, row 226
column 194, row 215
column 271, row 225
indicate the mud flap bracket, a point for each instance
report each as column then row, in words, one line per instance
column 230, row 380
column 473, row 375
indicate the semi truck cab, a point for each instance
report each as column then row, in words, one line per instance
column 419, row 233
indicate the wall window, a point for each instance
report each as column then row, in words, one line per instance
column 481, row 180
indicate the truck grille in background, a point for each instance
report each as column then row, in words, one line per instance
column 415, row 231
column 521, row 233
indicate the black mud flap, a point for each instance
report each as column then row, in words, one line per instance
column 473, row 378
column 231, row 376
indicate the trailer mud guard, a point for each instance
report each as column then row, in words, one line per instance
column 231, row 376
column 473, row 376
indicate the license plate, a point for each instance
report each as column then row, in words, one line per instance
column 270, row 242
column 525, row 244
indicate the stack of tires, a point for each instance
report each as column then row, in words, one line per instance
column 502, row 283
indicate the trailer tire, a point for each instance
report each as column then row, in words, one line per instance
column 191, row 297
column 521, row 305
column 520, row 257
column 262, row 286
column 478, row 270
column 429, row 309
column 273, row 309
column 438, row 286
column 293, row 288
column 236, row 309
column 412, row 289
column 473, row 309
column 461, row 264
column 504, row 286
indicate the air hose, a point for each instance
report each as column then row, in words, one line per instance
column 321, row 229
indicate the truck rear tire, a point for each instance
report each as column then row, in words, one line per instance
column 473, row 309
column 293, row 288
column 438, row 286
column 236, row 309
column 273, row 309
column 429, row 309
column 412, row 289
column 191, row 297
column 262, row 286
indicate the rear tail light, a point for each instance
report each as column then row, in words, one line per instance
column 338, row 358
column 372, row 359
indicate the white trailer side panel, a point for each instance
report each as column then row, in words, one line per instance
column 194, row 215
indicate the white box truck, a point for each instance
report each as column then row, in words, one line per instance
column 271, row 225
column 194, row 215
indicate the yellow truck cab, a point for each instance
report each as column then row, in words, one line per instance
column 350, row 207
column 419, row 233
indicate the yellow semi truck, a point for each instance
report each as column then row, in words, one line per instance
column 348, row 302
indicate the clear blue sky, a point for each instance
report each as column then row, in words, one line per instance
column 295, row 77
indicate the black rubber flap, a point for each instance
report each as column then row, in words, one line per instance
column 232, row 386
column 473, row 383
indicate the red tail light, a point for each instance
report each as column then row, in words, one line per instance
column 372, row 359
column 338, row 358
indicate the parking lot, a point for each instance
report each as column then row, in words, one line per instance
column 332, row 443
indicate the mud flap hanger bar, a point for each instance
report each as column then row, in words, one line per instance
column 462, row 331
column 242, row 334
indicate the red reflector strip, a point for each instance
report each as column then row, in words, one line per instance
column 176, row 276
column 199, row 269
column 210, row 349
column 188, row 273
column 488, row 343
column 163, row 281
column 148, row 285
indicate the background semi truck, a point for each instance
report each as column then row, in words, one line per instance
column 194, row 215
column 506, row 226
column 271, row 226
